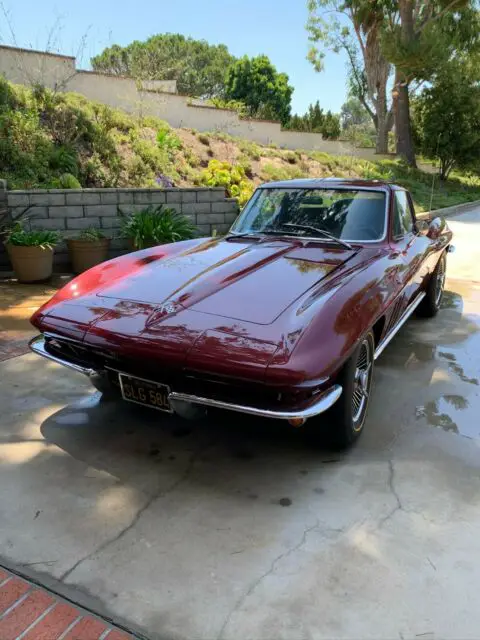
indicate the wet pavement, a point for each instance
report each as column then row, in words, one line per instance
column 237, row 528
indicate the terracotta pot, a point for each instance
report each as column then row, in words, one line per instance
column 85, row 254
column 31, row 264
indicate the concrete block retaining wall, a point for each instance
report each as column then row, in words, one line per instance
column 70, row 211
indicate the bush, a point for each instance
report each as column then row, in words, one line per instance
column 168, row 141
column 231, row 177
column 204, row 139
column 43, row 238
column 65, row 181
column 156, row 225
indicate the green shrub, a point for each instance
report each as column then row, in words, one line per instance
column 156, row 225
column 204, row 139
column 168, row 141
column 65, row 181
column 64, row 160
column 290, row 157
column 43, row 238
column 231, row 177
column 250, row 149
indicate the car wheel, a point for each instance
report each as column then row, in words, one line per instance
column 431, row 303
column 347, row 416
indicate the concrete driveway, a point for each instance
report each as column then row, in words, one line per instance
column 239, row 529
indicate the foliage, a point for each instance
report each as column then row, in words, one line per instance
column 271, row 172
column 231, row 177
column 353, row 113
column 355, row 28
column 43, row 238
column 156, row 225
column 331, row 126
column 198, row 67
column 9, row 220
column 360, row 135
column 168, row 141
column 312, row 120
column 447, row 117
column 233, row 105
column 65, row 181
column 92, row 234
column 264, row 91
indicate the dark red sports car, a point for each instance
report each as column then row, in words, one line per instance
column 283, row 317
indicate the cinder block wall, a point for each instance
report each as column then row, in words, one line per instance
column 70, row 211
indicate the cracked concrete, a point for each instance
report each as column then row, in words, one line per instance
column 236, row 528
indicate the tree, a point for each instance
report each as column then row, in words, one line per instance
column 198, row 67
column 447, row 119
column 257, row 83
column 420, row 37
column 331, row 126
column 355, row 26
column 311, row 121
column 353, row 113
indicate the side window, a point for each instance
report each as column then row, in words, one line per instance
column 402, row 215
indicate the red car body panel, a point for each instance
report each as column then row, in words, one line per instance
column 285, row 312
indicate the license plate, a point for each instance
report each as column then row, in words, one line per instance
column 150, row 394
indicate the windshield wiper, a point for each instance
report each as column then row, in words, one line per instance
column 247, row 234
column 326, row 234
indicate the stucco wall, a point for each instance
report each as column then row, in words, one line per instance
column 70, row 211
column 157, row 98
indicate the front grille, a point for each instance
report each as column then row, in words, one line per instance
column 180, row 380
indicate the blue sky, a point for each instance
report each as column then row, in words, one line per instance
column 273, row 27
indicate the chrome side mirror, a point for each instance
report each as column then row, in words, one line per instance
column 422, row 227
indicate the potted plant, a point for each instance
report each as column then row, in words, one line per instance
column 31, row 252
column 155, row 225
column 90, row 248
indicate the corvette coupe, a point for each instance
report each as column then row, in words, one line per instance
column 283, row 317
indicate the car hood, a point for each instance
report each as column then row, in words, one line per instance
column 239, row 279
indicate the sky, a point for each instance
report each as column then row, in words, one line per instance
column 272, row 27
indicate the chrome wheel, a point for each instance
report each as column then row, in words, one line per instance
column 361, row 383
column 440, row 281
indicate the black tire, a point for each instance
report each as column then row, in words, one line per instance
column 346, row 419
column 430, row 305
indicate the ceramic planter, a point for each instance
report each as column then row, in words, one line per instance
column 85, row 254
column 31, row 264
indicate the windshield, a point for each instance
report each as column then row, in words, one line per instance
column 349, row 215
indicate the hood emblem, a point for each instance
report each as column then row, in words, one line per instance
column 167, row 308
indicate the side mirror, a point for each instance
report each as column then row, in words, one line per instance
column 436, row 227
column 422, row 227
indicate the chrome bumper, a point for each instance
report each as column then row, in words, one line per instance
column 322, row 402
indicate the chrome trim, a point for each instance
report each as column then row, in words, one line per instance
column 451, row 248
column 323, row 402
column 37, row 345
column 404, row 317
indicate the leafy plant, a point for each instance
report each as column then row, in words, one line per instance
column 168, row 141
column 92, row 234
column 43, row 238
column 64, row 160
column 8, row 221
column 65, row 181
column 156, row 225
column 231, row 177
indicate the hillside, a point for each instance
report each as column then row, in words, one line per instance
column 50, row 140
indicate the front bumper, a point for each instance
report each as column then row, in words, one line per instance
column 318, row 404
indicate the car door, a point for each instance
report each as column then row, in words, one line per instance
column 412, row 247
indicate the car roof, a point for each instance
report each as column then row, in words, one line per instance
column 325, row 183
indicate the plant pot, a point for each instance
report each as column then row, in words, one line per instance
column 30, row 264
column 85, row 254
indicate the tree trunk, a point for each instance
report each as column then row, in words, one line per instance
column 403, row 128
column 382, row 124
